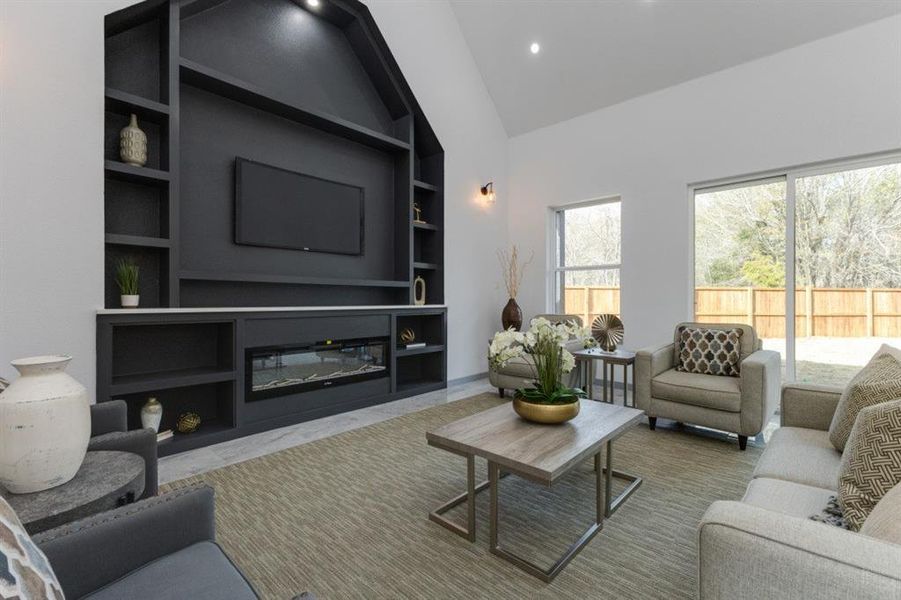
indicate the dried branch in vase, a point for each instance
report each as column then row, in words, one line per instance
column 513, row 269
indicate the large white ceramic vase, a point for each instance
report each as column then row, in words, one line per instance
column 45, row 426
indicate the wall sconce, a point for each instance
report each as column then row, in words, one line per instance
column 488, row 192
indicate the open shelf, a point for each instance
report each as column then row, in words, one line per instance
column 246, row 93
column 206, row 434
column 412, row 388
column 137, row 240
column 422, row 185
column 291, row 279
column 145, row 382
column 428, row 349
column 119, row 101
column 120, row 170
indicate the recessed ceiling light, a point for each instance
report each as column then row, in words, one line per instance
column 313, row 3
column 534, row 48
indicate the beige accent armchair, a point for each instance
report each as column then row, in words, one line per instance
column 519, row 372
column 740, row 405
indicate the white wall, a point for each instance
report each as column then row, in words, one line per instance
column 51, row 179
column 51, row 174
column 836, row 97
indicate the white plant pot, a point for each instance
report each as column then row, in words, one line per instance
column 45, row 426
column 129, row 300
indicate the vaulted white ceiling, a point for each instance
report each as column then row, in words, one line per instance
column 595, row 53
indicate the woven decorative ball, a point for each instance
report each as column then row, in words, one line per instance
column 188, row 422
column 407, row 336
column 608, row 330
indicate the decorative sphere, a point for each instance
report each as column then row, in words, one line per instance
column 407, row 336
column 188, row 422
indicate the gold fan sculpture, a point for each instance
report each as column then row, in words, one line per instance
column 608, row 330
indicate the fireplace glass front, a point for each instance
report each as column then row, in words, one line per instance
column 282, row 370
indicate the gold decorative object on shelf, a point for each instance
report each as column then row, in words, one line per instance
column 407, row 336
column 549, row 414
column 188, row 422
column 417, row 212
column 608, row 330
column 419, row 291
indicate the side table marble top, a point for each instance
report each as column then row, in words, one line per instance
column 106, row 479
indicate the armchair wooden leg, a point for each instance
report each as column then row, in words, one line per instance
column 500, row 392
column 652, row 423
column 742, row 442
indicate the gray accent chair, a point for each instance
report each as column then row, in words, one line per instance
column 162, row 547
column 518, row 372
column 740, row 405
column 109, row 431
column 766, row 545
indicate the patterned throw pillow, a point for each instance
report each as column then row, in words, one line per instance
column 710, row 351
column 25, row 573
column 879, row 381
column 871, row 464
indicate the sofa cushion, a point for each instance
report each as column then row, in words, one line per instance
column 201, row 571
column 709, row 351
column 708, row 391
column 801, row 455
column 884, row 521
column 787, row 497
column 871, row 464
column 879, row 381
column 25, row 573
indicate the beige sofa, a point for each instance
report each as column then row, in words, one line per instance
column 519, row 372
column 741, row 405
column 765, row 546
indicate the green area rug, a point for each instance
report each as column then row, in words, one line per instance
column 346, row 516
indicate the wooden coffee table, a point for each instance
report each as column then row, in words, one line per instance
column 542, row 454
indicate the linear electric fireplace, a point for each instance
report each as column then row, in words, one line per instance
column 282, row 370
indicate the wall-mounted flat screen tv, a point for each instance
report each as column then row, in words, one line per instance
column 277, row 208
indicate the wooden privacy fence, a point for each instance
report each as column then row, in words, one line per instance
column 832, row 312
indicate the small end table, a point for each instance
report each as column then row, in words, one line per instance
column 106, row 479
column 625, row 358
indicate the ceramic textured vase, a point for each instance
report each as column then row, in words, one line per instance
column 511, row 316
column 133, row 144
column 45, row 425
column 152, row 414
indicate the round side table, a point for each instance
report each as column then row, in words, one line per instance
column 106, row 479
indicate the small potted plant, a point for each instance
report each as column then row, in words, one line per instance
column 545, row 343
column 127, row 280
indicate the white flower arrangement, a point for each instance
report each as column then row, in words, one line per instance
column 546, row 343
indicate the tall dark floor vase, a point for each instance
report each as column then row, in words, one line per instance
column 511, row 316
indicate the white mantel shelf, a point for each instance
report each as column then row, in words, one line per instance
column 259, row 309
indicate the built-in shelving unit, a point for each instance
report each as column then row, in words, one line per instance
column 139, row 241
column 251, row 95
column 338, row 109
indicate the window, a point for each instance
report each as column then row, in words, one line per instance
column 810, row 258
column 585, row 279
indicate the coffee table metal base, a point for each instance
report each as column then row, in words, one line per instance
column 605, row 506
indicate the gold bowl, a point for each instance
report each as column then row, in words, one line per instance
column 545, row 413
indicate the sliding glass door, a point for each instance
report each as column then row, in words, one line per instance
column 810, row 258
column 740, row 257
column 848, row 269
